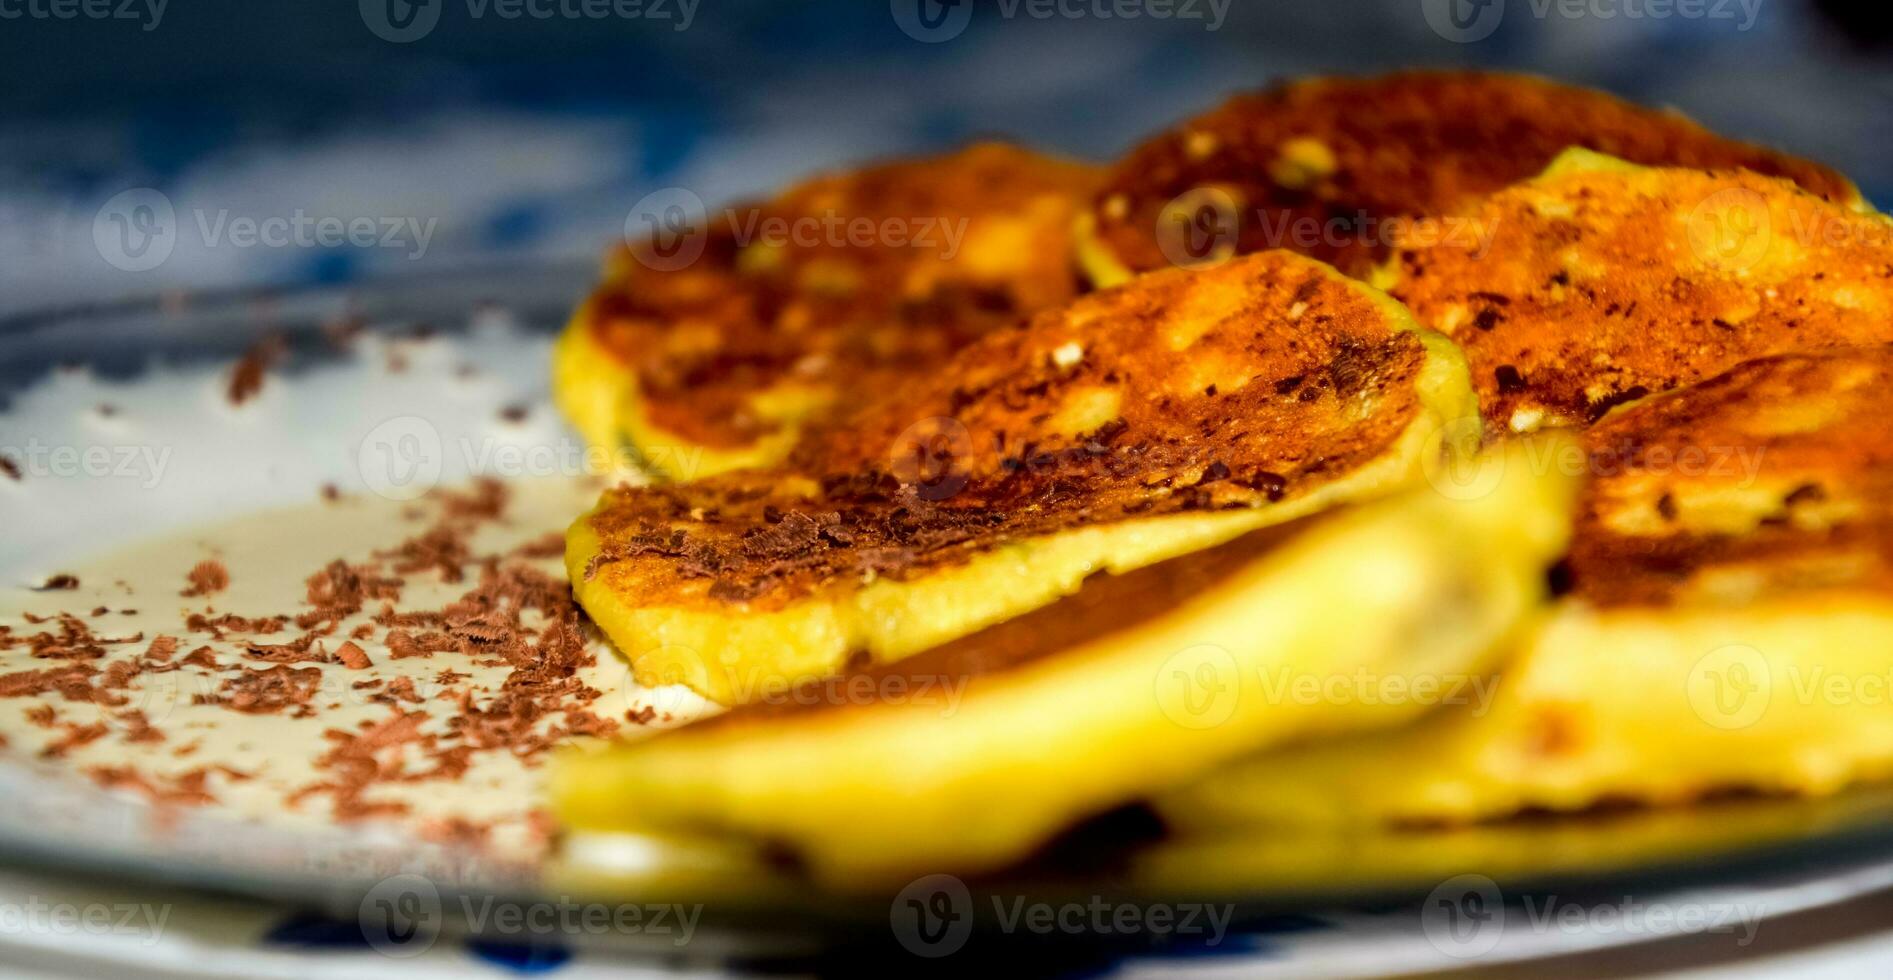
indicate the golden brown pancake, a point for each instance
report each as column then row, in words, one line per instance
column 1603, row 283
column 1132, row 425
column 966, row 757
column 1329, row 166
column 833, row 290
column 1105, row 606
column 1773, row 478
column 1728, row 626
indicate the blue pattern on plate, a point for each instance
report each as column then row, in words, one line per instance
column 525, row 959
column 306, row 930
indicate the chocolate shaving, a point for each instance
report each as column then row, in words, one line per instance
column 513, row 616
column 77, row 736
column 188, row 788
column 162, row 649
column 399, row 689
column 548, row 545
column 201, row 657
column 267, row 692
column 301, row 650
column 207, row 577
column 138, row 729
column 73, row 683
column 353, row 657
column 246, row 377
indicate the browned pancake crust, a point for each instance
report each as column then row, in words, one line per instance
column 1804, row 440
column 1605, row 285
column 1403, row 145
column 1235, row 387
column 1106, row 605
column 978, row 239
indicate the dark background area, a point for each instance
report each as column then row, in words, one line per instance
column 529, row 137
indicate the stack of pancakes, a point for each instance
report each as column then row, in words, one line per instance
column 1216, row 478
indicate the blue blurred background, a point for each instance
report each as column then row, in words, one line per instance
column 518, row 131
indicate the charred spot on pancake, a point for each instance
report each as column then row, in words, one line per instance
column 1600, row 406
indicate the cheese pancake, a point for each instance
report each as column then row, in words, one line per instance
column 1728, row 626
column 968, row 756
column 1334, row 166
column 711, row 344
column 1133, row 425
column 1604, row 282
